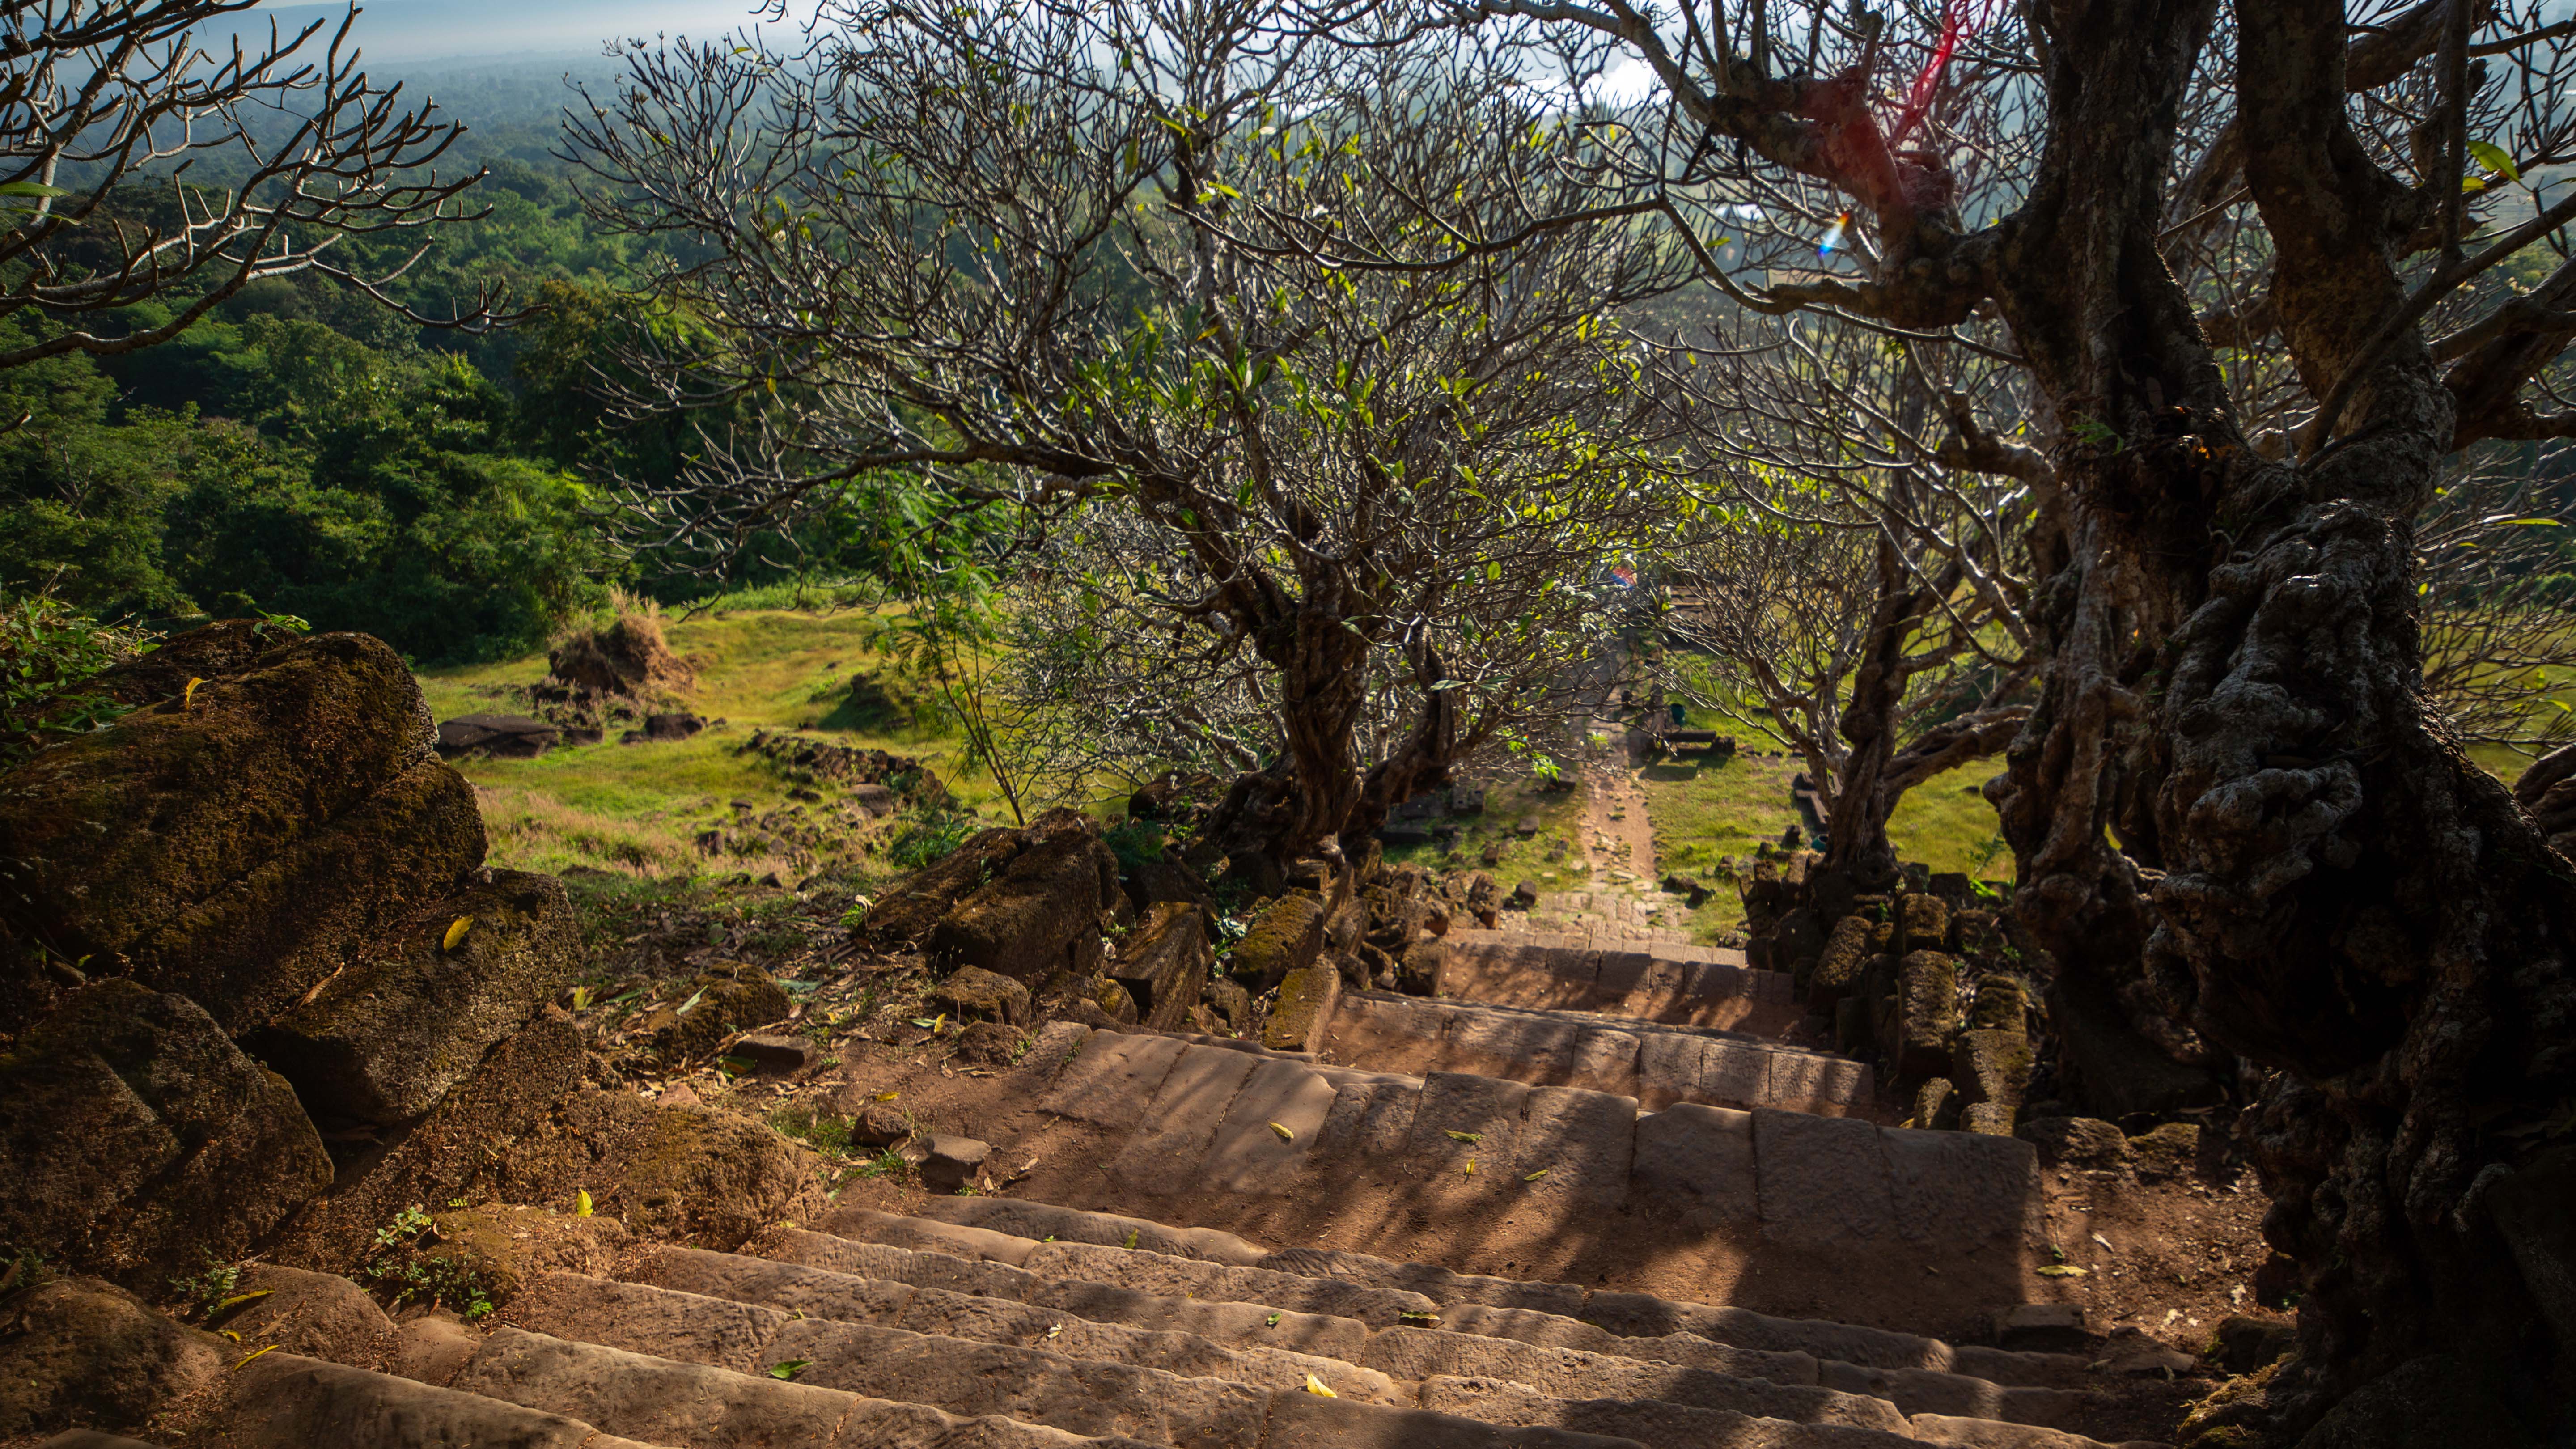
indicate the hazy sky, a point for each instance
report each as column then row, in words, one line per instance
column 416, row 30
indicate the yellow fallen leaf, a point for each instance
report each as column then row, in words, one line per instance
column 245, row 1358
column 1284, row 1134
column 1535, row 1176
column 2061, row 1270
column 1471, row 1167
column 888, row 1096
column 188, row 697
column 1315, row 1385
column 237, row 1300
column 1132, row 1235
column 456, row 933
column 1470, row 1138
column 581, row 1202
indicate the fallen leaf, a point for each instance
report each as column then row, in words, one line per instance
column 2062, row 1270
column 887, row 1096
column 456, row 933
column 1284, row 1134
column 1132, row 1235
column 691, row 1003
column 245, row 1358
column 1427, row 1320
column 2105, row 1242
column 581, row 1202
column 1470, row 1138
column 1471, row 1167
column 188, row 698
column 1315, row 1385
column 1271, row 1322
column 237, row 1301
column 790, row 1369
column 1535, row 1176
column 1054, row 1328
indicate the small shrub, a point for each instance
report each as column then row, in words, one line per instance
column 929, row 838
column 200, row 1294
column 47, row 648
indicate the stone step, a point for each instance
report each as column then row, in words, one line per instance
column 281, row 1401
column 1920, row 1375
column 670, row 1364
column 1387, row 1366
column 1637, row 1382
column 1678, row 985
column 1657, row 1064
column 704, row 1406
column 1188, row 1131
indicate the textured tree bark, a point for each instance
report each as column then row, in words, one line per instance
column 2313, row 876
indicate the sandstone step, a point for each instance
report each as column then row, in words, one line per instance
column 1655, row 1063
column 701, row 1406
column 844, row 1368
column 1686, row 985
column 1535, row 1325
column 1387, row 1367
column 280, row 1401
column 1190, row 1132
column 1007, row 1224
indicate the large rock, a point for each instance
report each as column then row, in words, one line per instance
column 686, row 1173
column 975, row 994
column 139, row 1138
column 385, row 1039
column 1039, row 914
column 2076, row 1142
column 1922, row 924
column 195, row 838
column 1155, row 882
column 1164, row 964
column 905, row 914
column 79, row 1352
column 509, row 736
column 449, row 1153
column 1285, row 937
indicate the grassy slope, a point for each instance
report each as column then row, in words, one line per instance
column 637, row 808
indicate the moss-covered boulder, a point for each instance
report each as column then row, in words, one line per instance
column 110, row 834
column 138, row 1138
column 1163, row 962
column 237, row 841
column 383, row 1040
column 1286, row 936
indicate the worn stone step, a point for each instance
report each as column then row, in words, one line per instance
column 1535, row 1326
column 1018, row 1224
column 895, row 1303
column 701, row 1406
column 1370, row 1366
column 1652, row 1062
column 1685, row 985
column 281, row 1401
column 671, row 1367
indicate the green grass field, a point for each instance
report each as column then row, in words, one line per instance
column 638, row 808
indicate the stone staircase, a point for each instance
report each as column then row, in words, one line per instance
column 1619, row 1126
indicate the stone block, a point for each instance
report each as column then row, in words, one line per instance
column 1041, row 913
column 1797, row 941
column 723, row 1000
column 1164, row 1153
column 1112, row 1078
column 1423, row 969
column 1249, row 1153
column 81, row 1351
column 1286, row 936
column 2003, row 1004
column 1991, row 1066
column 949, row 1162
column 1303, row 1010
column 384, row 1039
column 1163, row 963
column 1695, row 1163
column 1961, row 1189
column 1839, row 965
column 1926, row 1012
column 1579, row 1141
column 1923, row 924
column 2077, row 1142
column 140, row 1138
column 1990, row 1119
column 1823, row 1181
column 1936, row 1103
column 972, row 993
